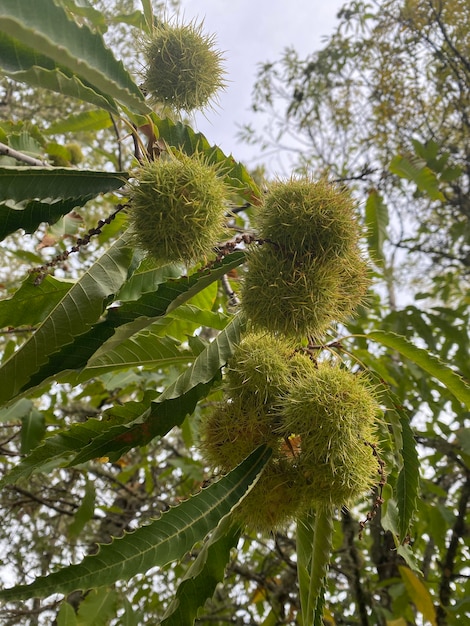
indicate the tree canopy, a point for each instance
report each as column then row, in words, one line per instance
column 226, row 399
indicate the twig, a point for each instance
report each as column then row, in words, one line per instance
column 354, row 558
column 116, row 132
column 233, row 299
column 229, row 246
column 379, row 500
column 34, row 498
column 448, row 566
column 238, row 209
column 81, row 241
column 436, row 253
column 14, row 331
column 19, row 156
column 102, row 473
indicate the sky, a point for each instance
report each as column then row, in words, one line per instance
column 250, row 32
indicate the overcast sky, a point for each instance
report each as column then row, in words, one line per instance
column 251, row 32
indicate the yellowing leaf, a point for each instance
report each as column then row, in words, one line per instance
column 260, row 595
column 328, row 618
column 396, row 622
column 419, row 595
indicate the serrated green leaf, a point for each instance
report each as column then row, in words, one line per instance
column 24, row 64
column 427, row 151
column 451, row 173
column 135, row 424
column 119, row 324
column 169, row 296
column 31, row 304
column 389, row 517
column 201, row 317
column 424, row 178
column 24, row 142
column 28, row 183
column 84, row 513
column 33, row 428
column 98, row 607
column 156, row 421
column 171, row 407
column 81, row 122
column 208, row 363
column 162, row 541
column 408, row 479
column 123, row 428
column 60, row 82
column 57, row 449
column 145, row 349
column 144, row 420
column 376, row 221
column 426, row 361
column 66, row 615
column 419, row 595
column 200, row 581
column 81, row 307
column 30, row 214
column 16, row 411
column 133, row 316
column 136, row 18
column 406, row 553
column 314, row 545
column 84, row 9
column 16, row 56
column 147, row 278
column 46, row 27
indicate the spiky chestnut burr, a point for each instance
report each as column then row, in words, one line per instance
column 320, row 424
column 274, row 501
column 177, row 208
column 334, row 415
column 258, row 371
column 303, row 216
column 183, row 67
column 228, row 436
column 257, row 376
column 300, row 295
column 233, row 430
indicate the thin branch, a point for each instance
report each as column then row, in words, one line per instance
column 137, row 151
column 102, row 473
column 366, row 171
column 33, row 497
column 354, row 561
column 450, row 449
column 19, row 156
column 436, row 253
column 116, row 132
column 81, row 241
column 458, row 532
column 14, row 331
column 238, row 209
column 233, row 299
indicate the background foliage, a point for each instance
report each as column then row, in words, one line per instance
column 109, row 360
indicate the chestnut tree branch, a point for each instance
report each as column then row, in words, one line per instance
column 19, row 156
column 448, row 565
